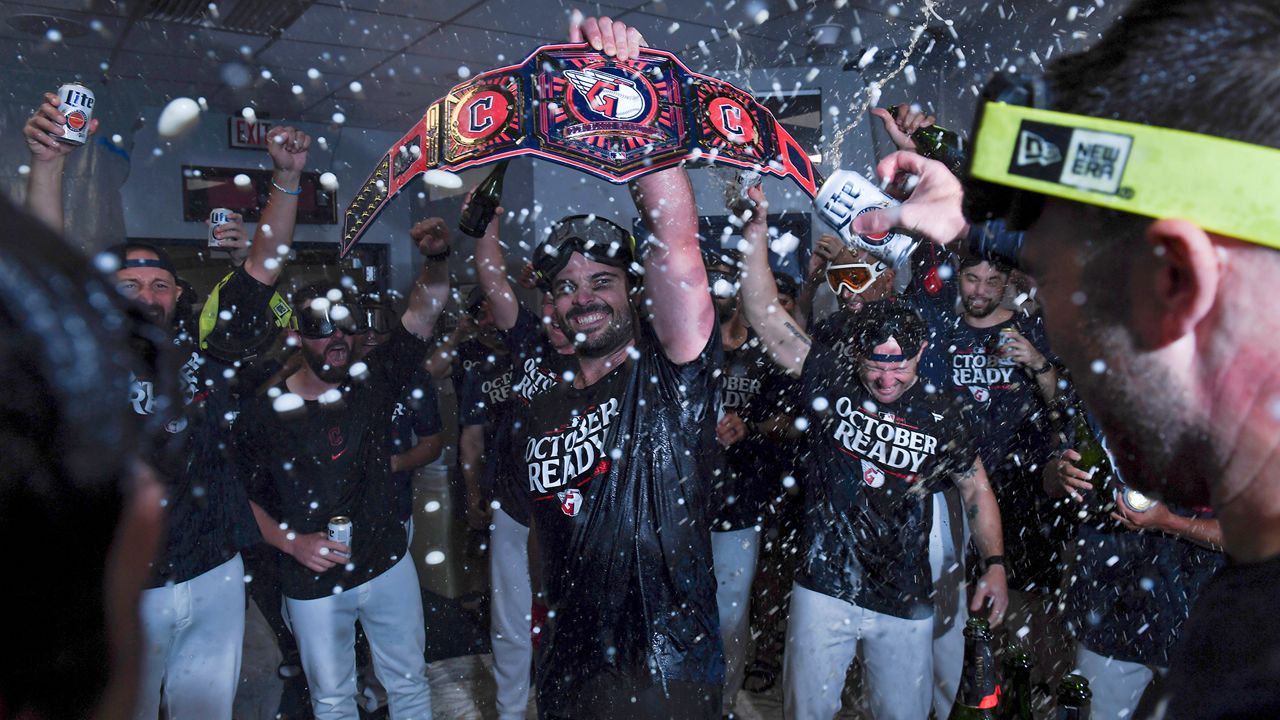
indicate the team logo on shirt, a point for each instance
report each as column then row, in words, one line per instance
column 882, row 444
column 872, row 475
column 573, row 454
column 570, row 501
column 980, row 393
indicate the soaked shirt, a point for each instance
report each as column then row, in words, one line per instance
column 871, row 473
column 536, row 368
column 754, row 387
column 208, row 518
column 330, row 459
column 486, row 399
column 618, row 476
column 416, row 416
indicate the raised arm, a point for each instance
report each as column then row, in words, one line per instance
column 984, row 520
column 48, row 160
column 288, row 149
column 675, row 281
column 491, row 271
column 431, row 288
column 787, row 344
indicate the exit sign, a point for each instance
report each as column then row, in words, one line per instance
column 247, row 135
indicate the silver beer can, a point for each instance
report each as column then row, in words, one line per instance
column 217, row 218
column 76, row 105
column 1136, row 501
column 846, row 195
column 340, row 530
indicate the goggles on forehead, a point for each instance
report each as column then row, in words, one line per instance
column 1022, row 152
column 594, row 237
column 320, row 319
column 854, row 277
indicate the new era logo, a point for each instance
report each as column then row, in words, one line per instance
column 1035, row 150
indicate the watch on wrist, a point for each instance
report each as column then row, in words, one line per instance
column 1042, row 369
column 440, row 256
column 992, row 560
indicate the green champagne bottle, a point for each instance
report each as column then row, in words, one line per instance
column 1073, row 698
column 484, row 202
column 1016, row 703
column 938, row 143
column 979, row 694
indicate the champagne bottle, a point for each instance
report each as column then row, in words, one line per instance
column 979, row 694
column 1073, row 698
column 484, row 202
column 938, row 143
column 1016, row 703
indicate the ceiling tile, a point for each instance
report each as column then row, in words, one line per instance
column 104, row 30
column 420, row 9
column 289, row 54
column 485, row 46
column 417, row 70
column 173, row 39
column 47, row 56
column 356, row 28
column 548, row 19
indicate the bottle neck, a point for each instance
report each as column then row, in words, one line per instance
column 978, row 687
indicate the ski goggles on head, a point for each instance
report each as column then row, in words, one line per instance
column 1023, row 152
column 319, row 318
column 593, row 237
column 854, row 277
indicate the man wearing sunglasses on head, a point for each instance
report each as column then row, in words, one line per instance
column 1156, row 262
column 749, row 430
column 319, row 444
column 879, row 447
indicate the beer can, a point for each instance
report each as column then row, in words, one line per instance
column 340, row 530
column 217, row 218
column 846, row 195
column 1136, row 501
column 76, row 105
column 735, row 192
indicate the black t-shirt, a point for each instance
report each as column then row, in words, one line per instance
column 333, row 458
column 1003, row 394
column 619, row 478
column 416, row 416
column 871, row 474
column 486, row 400
column 208, row 518
column 1134, row 590
column 752, row 385
column 537, row 368
column 1227, row 663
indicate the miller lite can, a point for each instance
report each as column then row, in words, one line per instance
column 76, row 105
column 217, row 218
column 340, row 530
column 846, row 195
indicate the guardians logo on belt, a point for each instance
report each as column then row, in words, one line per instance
column 616, row 120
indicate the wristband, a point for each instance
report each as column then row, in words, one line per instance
column 993, row 560
column 1046, row 368
column 439, row 257
column 276, row 185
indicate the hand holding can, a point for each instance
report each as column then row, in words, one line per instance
column 218, row 218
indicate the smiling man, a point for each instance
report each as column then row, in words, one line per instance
column 1157, row 287
column 879, row 447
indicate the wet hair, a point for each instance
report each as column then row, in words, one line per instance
column 1178, row 64
column 786, row 285
column 68, row 438
column 1000, row 267
column 883, row 320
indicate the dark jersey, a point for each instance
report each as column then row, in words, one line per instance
column 333, row 458
column 619, row 478
column 486, row 400
column 1227, row 663
column 208, row 516
column 536, row 368
column 752, row 386
column 416, row 416
column 1005, row 396
column 871, row 473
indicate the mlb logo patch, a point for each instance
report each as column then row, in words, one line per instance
column 570, row 501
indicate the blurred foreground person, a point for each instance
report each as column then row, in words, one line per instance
column 82, row 513
column 1158, row 298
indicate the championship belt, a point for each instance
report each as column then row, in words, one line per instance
column 575, row 106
